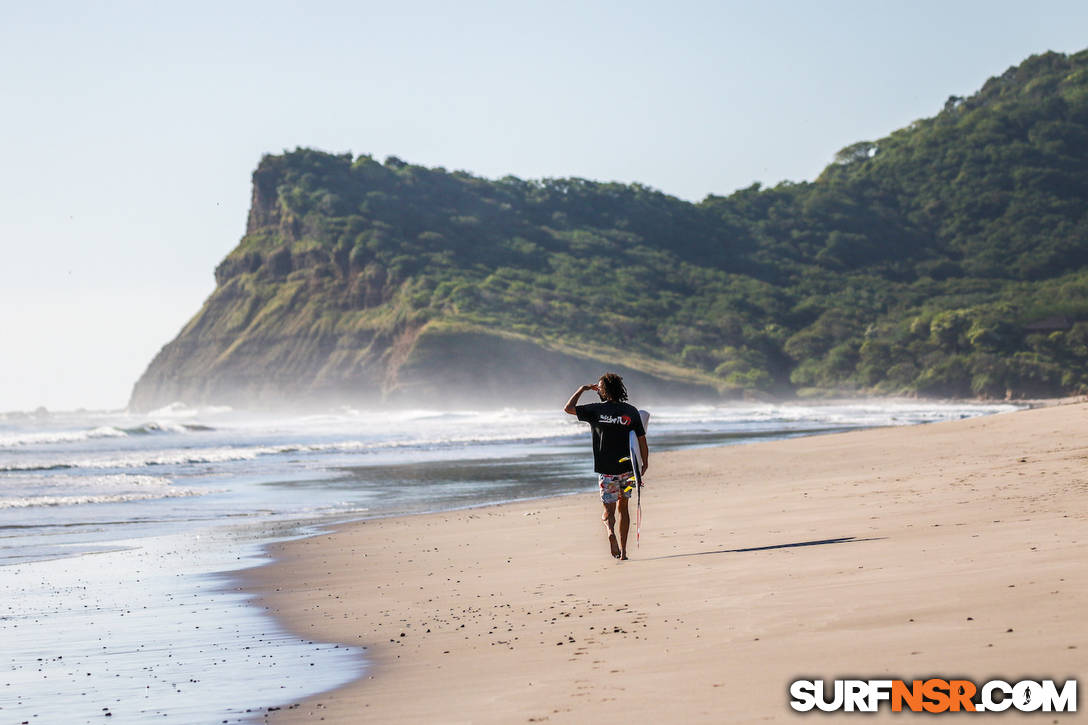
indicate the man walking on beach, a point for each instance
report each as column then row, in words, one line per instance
column 612, row 420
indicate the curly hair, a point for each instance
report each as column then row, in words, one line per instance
column 613, row 388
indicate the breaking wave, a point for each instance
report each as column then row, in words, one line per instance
column 23, row 439
column 33, row 439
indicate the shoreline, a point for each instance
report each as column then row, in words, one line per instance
column 515, row 612
column 140, row 630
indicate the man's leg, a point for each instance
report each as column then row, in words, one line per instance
column 609, row 519
column 625, row 526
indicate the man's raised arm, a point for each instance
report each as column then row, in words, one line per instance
column 574, row 399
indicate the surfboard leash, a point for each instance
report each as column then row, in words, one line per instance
column 633, row 482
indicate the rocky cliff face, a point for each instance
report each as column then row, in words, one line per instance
column 300, row 320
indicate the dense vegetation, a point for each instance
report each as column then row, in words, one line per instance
column 949, row 258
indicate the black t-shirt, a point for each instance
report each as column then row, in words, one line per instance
column 611, row 423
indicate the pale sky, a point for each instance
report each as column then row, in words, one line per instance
column 131, row 128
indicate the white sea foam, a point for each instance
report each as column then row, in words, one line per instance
column 850, row 413
column 25, row 439
column 141, row 459
column 26, row 491
column 178, row 409
column 32, row 501
column 227, row 454
column 167, row 427
column 30, row 439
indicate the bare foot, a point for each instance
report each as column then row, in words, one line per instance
column 622, row 556
column 615, row 545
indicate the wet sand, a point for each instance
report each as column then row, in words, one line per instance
column 953, row 549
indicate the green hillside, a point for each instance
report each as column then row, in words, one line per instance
column 949, row 258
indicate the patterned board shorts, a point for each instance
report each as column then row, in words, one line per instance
column 612, row 487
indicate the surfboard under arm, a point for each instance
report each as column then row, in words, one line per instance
column 633, row 449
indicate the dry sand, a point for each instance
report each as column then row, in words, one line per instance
column 953, row 549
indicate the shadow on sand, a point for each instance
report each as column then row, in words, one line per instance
column 818, row 542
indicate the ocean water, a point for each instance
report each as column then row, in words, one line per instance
column 118, row 532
